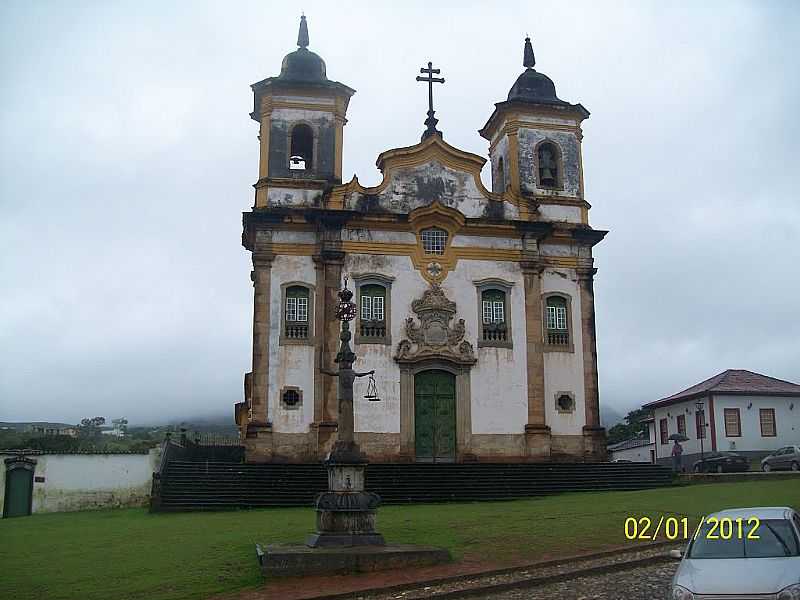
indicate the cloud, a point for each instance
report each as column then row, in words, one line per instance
column 128, row 155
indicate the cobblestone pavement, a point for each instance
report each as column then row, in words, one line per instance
column 650, row 582
column 643, row 583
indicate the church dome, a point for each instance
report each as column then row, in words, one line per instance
column 302, row 64
column 533, row 86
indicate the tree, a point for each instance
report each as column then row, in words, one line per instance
column 90, row 428
column 632, row 427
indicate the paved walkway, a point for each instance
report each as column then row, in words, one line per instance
column 645, row 583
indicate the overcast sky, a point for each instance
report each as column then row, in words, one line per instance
column 127, row 158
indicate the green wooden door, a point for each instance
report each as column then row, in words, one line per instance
column 19, row 484
column 435, row 416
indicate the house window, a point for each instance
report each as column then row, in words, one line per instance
column 699, row 424
column 493, row 311
column 549, row 170
column 733, row 424
column 767, row 418
column 662, row 429
column 557, row 321
column 297, row 314
column 434, row 240
column 682, row 424
column 373, row 296
column 373, row 311
column 301, row 151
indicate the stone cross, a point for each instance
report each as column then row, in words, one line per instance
column 430, row 80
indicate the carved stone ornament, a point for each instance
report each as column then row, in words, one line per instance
column 434, row 337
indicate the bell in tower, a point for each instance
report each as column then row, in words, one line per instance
column 301, row 114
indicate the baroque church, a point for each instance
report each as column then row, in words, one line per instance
column 475, row 307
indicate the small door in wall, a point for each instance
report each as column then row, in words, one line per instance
column 19, row 492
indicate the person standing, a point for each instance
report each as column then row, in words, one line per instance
column 677, row 454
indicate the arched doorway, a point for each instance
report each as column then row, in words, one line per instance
column 435, row 416
column 19, row 487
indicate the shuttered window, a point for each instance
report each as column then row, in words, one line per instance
column 767, row 418
column 733, row 424
column 662, row 426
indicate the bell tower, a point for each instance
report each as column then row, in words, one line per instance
column 535, row 145
column 301, row 114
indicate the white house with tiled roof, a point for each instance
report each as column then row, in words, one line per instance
column 739, row 411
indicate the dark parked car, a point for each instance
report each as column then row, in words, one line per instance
column 722, row 462
column 787, row 457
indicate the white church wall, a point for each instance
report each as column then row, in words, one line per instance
column 563, row 371
column 384, row 416
column 289, row 365
column 481, row 241
column 557, row 212
column 416, row 186
column 499, row 379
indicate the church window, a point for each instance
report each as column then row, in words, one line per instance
column 494, row 313
column 565, row 402
column 548, row 163
column 297, row 314
column 434, row 240
column 301, row 151
column 373, row 295
column 557, row 323
column 493, row 308
column 373, row 313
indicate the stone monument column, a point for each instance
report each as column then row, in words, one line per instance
column 594, row 436
column 346, row 512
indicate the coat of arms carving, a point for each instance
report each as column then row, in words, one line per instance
column 434, row 337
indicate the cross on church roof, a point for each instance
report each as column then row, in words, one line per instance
column 430, row 80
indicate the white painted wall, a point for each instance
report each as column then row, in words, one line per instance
column 290, row 365
column 89, row 481
column 499, row 403
column 639, row 454
column 563, row 371
column 787, row 422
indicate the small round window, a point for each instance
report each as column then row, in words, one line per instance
column 291, row 398
column 565, row 403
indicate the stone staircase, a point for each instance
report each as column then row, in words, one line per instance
column 214, row 485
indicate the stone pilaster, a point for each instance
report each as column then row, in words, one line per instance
column 594, row 434
column 329, row 262
column 537, row 432
column 258, row 437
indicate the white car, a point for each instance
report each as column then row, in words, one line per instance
column 756, row 561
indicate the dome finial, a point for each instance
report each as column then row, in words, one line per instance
column 529, row 61
column 302, row 36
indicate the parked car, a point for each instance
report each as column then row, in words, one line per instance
column 787, row 457
column 722, row 462
column 764, row 565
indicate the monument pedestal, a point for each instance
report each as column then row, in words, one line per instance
column 346, row 512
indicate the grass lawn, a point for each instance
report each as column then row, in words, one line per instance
column 133, row 554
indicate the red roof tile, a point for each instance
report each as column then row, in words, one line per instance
column 733, row 381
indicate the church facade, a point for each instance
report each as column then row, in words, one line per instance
column 475, row 306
